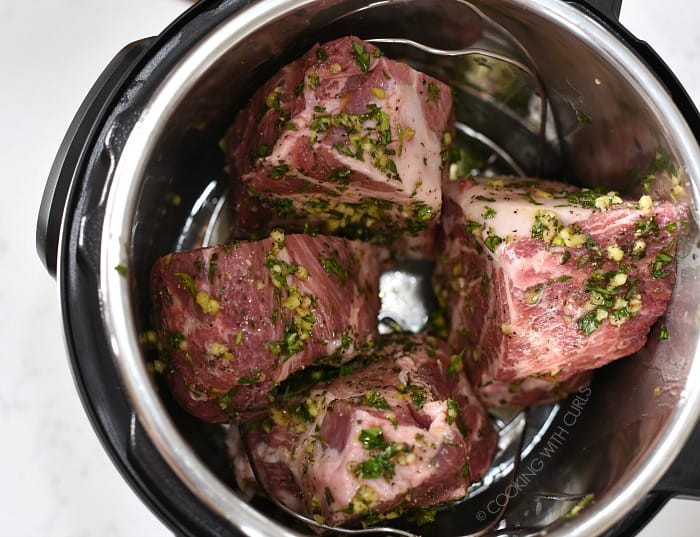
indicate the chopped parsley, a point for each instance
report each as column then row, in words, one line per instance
column 546, row 226
column 663, row 162
column 445, row 149
column 589, row 323
column 423, row 212
column 340, row 176
column 538, row 228
column 472, row 225
column 425, row 515
column 362, row 140
column 272, row 100
column 417, row 393
column 279, row 171
column 362, row 57
column 378, row 466
column 290, row 344
column 306, row 411
column 211, row 272
column 433, row 92
column 585, row 198
column 492, row 241
column 331, row 266
column 282, row 206
column 314, row 81
column 225, row 401
column 576, row 510
column 530, row 199
column 187, row 282
column 383, row 455
column 175, row 339
column 298, row 329
column 659, row 269
column 645, row 228
column 376, row 400
column 372, row 438
column 489, row 212
column 456, row 365
column 453, row 410
column 263, row 150
column 254, row 377
column 417, row 396
column 345, row 341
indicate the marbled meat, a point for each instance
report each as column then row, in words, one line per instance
column 544, row 280
column 234, row 321
column 401, row 430
column 345, row 141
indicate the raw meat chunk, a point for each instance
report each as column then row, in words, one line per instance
column 345, row 141
column 402, row 432
column 531, row 391
column 544, row 281
column 236, row 320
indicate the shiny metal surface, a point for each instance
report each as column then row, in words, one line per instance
column 609, row 116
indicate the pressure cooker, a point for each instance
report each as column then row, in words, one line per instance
column 140, row 174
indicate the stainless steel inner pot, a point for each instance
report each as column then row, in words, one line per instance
column 610, row 122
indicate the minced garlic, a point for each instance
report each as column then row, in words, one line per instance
column 646, row 203
column 639, row 246
column 220, row 350
column 609, row 199
column 569, row 238
column 378, row 92
column 208, row 304
column 615, row 253
column 618, row 280
column 677, row 191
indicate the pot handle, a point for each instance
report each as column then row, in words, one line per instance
column 683, row 477
column 607, row 8
column 67, row 165
column 166, row 494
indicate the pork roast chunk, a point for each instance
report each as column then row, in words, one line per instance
column 233, row 321
column 346, row 141
column 401, row 430
column 543, row 280
column 531, row 391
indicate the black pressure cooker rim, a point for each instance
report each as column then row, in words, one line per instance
column 68, row 241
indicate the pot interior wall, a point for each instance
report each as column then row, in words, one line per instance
column 601, row 130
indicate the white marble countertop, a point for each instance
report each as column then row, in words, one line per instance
column 56, row 479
